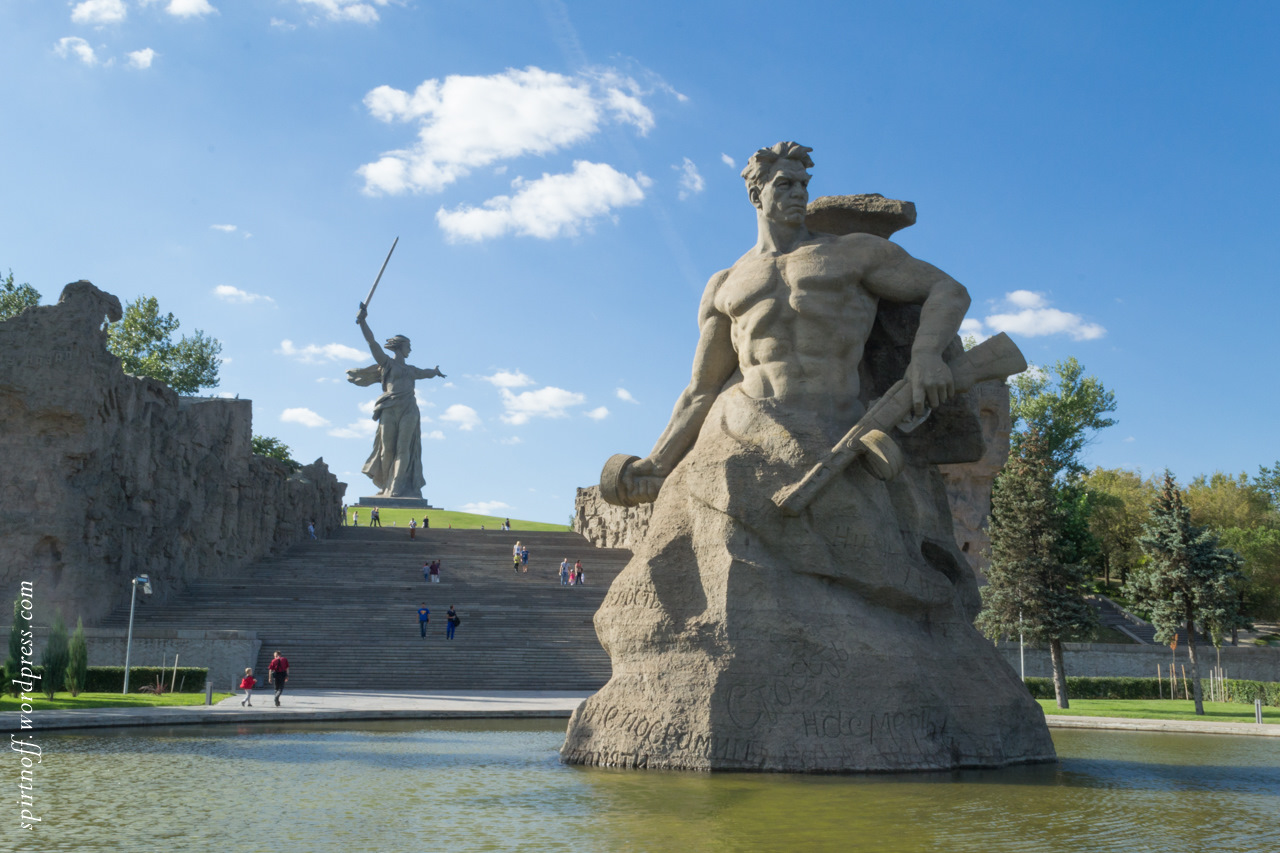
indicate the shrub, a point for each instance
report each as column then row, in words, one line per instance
column 1149, row 688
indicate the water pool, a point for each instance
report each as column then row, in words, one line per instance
column 491, row 785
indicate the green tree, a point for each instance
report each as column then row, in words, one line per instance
column 274, row 448
column 12, row 664
column 1121, row 502
column 1241, row 511
column 1064, row 407
column 56, row 657
column 16, row 298
column 77, row 660
column 1032, row 588
column 1187, row 579
column 143, row 340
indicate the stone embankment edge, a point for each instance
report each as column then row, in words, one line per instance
column 75, row 720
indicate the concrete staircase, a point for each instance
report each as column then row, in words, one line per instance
column 344, row 611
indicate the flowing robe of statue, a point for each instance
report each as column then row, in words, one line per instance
column 395, row 464
column 839, row 639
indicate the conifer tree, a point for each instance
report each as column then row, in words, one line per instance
column 55, row 658
column 11, row 664
column 1187, row 578
column 1032, row 587
column 78, row 661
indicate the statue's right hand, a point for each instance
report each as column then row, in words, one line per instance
column 641, row 481
column 364, row 312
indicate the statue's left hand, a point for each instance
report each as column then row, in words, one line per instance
column 931, row 382
column 438, row 373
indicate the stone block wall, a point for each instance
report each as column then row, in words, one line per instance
column 104, row 476
column 1122, row 661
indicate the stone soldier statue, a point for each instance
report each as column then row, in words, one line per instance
column 395, row 465
column 788, row 610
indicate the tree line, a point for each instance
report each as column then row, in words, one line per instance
column 1201, row 561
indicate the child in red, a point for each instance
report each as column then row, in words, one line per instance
column 246, row 684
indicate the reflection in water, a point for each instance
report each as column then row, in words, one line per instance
column 405, row 786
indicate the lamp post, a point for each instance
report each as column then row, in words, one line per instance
column 133, row 600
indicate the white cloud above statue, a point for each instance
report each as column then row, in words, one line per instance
column 551, row 206
column 466, row 122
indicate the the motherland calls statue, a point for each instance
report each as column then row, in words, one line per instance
column 395, row 465
column 788, row 610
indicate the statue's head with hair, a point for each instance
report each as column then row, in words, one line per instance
column 779, row 168
column 398, row 344
column 764, row 162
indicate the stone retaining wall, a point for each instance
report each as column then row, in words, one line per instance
column 1120, row 661
column 105, row 476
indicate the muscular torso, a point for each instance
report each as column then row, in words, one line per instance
column 799, row 322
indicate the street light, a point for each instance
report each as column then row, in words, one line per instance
column 133, row 600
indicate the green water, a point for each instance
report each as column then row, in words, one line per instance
column 498, row 786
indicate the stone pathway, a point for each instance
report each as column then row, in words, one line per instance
column 324, row 706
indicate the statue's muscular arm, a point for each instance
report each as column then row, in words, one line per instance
column 714, row 361
column 894, row 275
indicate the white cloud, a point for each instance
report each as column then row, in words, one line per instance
column 189, row 8
column 227, row 293
column 283, row 25
column 434, row 435
column 507, row 379
column 228, row 229
column 306, row 417
column 691, row 183
column 515, row 439
column 469, row 122
column 78, row 46
column 368, row 406
column 315, row 353
column 598, row 414
column 548, row 402
column 728, row 161
column 1130, row 438
column 625, row 395
column 99, row 12
column 464, row 416
column 551, row 206
column 346, row 10
column 485, row 507
column 141, row 58
column 1025, row 299
column 1034, row 319
column 356, row 429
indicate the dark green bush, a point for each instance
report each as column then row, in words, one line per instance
column 1148, row 688
column 110, row 679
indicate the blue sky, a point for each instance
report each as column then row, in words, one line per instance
column 563, row 178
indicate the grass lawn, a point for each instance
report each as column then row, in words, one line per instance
column 1158, row 709
column 65, row 702
column 441, row 518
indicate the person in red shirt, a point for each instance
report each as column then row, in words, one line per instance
column 246, row 684
column 279, row 668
